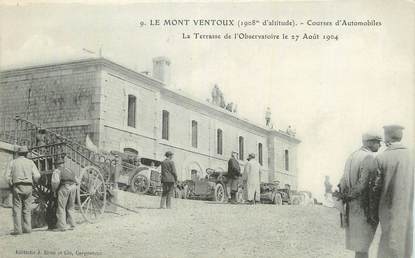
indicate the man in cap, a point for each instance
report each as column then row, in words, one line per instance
column 21, row 174
column 168, row 179
column 354, row 185
column 234, row 173
column 396, row 169
column 64, row 185
column 252, row 179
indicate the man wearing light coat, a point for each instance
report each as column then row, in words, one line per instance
column 396, row 170
column 359, row 168
column 252, row 179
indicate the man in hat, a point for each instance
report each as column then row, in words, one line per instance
column 354, row 185
column 21, row 174
column 168, row 179
column 396, row 169
column 252, row 179
column 234, row 173
column 64, row 185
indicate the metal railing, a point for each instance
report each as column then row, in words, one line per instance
column 46, row 146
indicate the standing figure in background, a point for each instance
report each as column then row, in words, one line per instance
column 359, row 168
column 327, row 187
column 168, row 179
column 215, row 95
column 396, row 170
column 268, row 117
column 234, row 173
column 21, row 174
column 64, row 185
column 252, row 179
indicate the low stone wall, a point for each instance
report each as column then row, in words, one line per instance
column 6, row 155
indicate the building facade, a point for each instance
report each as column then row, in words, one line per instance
column 120, row 109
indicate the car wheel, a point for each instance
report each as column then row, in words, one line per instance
column 140, row 184
column 296, row 201
column 240, row 195
column 277, row 199
column 219, row 193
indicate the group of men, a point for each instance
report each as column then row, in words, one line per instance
column 251, row 178
column 379, row 190
column 21, row 174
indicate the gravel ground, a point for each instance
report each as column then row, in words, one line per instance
column 190, row 229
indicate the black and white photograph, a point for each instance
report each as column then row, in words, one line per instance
column 207, row 129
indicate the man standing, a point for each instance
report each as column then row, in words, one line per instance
column 252, row 179
column 396, row 199
column 359, row 168
column 234, row 173
column 21, row 174
column 168, row 179
column 64, row 184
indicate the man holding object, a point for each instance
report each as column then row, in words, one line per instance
column 354, row 185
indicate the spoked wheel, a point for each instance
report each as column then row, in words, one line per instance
column 277, row 199
column 43, row 212
column 140, row 184
column 219, row 193
column 92, row 194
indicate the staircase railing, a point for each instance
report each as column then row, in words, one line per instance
column 46, row 146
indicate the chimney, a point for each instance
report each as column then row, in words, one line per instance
column 161, row 69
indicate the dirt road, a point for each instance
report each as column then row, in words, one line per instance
column 190, row 229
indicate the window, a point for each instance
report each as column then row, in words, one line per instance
column 194, row 133
column 219, row 149
column 165, row 125
column 131, row 110
column 241, row 148
column 260, row 153
column 287, row 160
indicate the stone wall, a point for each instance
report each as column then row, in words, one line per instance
column 52, row 96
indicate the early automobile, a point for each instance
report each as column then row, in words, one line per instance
column 271, row 194
column 139, row 175
column 211, row 187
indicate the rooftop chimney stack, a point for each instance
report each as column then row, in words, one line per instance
column 161, row 69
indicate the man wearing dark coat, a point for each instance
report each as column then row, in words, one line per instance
column 396, row 170
column 234, row 174
column 359, row 168
column 168, row 179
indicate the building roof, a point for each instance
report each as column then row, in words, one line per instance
column 152, row 82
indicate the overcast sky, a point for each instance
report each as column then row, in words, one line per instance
column 331, row 92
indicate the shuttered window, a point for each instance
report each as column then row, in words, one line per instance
column 194, row 133
column 287, row 160
column 132, row 105
column 241, row 148
column 260, row 153
column 165, row 125
column 219, row 135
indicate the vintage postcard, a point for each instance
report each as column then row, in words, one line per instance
column 207, row 128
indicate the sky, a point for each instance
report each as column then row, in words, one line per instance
column 329, row 91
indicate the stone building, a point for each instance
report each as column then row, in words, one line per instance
column 123, row 110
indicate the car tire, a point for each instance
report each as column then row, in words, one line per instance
column 277, row 199
column 139, row 184
column 219, row 193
